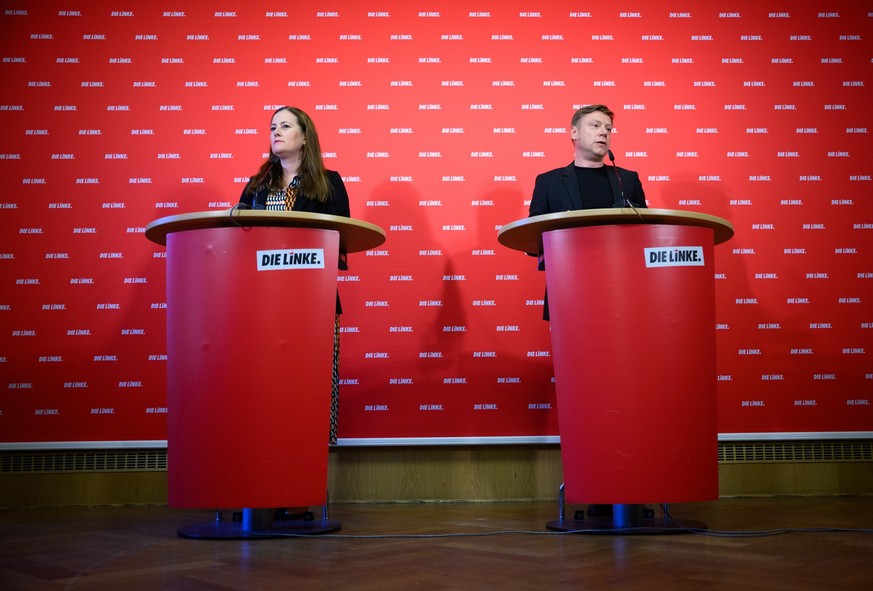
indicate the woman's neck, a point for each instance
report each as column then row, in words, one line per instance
column 290, row 169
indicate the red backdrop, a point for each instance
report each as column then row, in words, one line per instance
column 438, row 115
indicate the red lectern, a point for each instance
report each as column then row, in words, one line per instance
column 251, row 299
column 632, row 316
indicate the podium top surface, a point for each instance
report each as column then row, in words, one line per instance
column 526, row 234
column 355, row 235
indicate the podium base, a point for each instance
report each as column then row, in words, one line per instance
column 607, row 526
column 260, row 524
column 224, row 530
column 620, row 519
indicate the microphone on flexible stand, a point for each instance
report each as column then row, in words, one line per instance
column 255, row 205
column 236, row 208
column 625, row 202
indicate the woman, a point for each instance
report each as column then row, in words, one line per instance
column 293, row 178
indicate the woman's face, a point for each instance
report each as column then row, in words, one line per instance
column 286, row 135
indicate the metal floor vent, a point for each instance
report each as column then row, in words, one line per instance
column 797, row 451
column 149, row 460
column 155, row 460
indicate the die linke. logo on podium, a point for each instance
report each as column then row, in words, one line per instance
column 674, row 256
column 297, row 258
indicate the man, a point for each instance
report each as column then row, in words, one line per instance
column 586, row 183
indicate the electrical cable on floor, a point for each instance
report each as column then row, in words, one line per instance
column 599, row 531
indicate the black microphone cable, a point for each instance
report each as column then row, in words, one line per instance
column 237, row 207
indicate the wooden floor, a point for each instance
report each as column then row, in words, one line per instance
column 478, row 546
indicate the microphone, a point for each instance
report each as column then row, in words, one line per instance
column 624, row 202
column 244, row 206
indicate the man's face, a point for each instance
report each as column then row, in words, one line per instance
column 592, row 136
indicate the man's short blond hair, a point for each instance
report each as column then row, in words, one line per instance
column 587, row 109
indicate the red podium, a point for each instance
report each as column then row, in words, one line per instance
column 251, row 299
column 632, row 317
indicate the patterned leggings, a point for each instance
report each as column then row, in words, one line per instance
column 334, row 389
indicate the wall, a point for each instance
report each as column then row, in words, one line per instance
column 439, row 116
column 433, row 474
